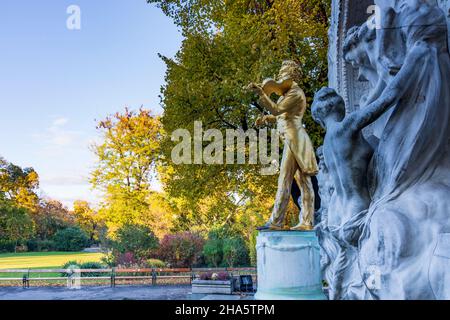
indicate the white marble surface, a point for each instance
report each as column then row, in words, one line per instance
column 288, row 266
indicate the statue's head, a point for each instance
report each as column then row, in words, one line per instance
column 358, row 44
column 328, row 105
column 290, row 70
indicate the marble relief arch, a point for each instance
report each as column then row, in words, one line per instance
column 385, row 162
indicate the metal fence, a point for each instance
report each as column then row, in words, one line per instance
column 113, row 276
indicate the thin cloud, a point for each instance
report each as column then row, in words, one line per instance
column 58, row 122
column 57, row 136
column 65, row 181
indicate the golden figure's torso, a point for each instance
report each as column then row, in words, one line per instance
column 294, row 135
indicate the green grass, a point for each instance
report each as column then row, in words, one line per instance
column 44, row 260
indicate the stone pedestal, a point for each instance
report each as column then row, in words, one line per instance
column 288, row 266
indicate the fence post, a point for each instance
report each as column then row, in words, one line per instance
column 153, row 277
column 113, row 277
column 25, row 283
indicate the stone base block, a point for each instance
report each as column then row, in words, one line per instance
column 288, row 266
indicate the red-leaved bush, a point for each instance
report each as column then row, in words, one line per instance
column 126, row 259
column 181, row 250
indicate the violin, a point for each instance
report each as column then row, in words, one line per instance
column 280, row 87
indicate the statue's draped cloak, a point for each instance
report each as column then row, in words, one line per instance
column 411, row 169
column 417, row 131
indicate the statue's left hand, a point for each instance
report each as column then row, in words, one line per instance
column 255, row 88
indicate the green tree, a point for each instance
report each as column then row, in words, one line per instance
column 213, row 252
column 70, row 239
column 136, row 239
column 227, row 44
column 235, row 252
column 15, row 223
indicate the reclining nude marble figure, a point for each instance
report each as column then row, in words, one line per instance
column 386, row 231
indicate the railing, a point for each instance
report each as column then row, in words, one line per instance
column 113, row 275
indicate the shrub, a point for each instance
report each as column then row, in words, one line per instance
column 213, row 252
column 46, row 245
column 32, row 245
column 181, row 250
column 225, row 248
column 126, row 260
column 92, row 265
column 40, row 245
column 136, row 239
column 235, row 252
column 84, row 265
column 70, row 239
column 155, row 263
column 109, row 260
column 7, row 246
column 21, row 248
column 70, row 263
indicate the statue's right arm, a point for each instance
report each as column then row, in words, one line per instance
column 267, row 103
column 290, row 101
column 392, row 93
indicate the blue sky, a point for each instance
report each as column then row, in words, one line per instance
column 54, row 82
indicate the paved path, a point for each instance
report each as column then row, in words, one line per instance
column 107, row 293
column 97, row 293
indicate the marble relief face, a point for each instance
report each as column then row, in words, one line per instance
column 359, row 56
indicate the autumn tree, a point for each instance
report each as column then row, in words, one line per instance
column 160, row 215
column 127, row 158
column 50, row 217
column 19, row 185
column 87, row 219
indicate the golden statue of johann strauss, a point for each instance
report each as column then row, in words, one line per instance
column 299, row 160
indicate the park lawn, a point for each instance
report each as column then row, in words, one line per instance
column 45, row 260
